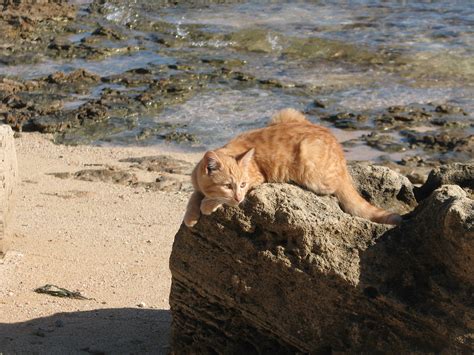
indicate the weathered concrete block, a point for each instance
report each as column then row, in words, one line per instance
column 289, row 272
column 8, row 179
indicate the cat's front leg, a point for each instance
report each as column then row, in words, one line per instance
column 193, row 212
column 209, row 205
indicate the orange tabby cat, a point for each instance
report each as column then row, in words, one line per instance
column 290, row 148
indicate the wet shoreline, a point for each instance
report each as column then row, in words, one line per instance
column 89, row 76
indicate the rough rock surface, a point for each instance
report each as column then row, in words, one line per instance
column 452, row 174
column 8, row 177
column 289, row 272
column 31, row 10
column 383, row 187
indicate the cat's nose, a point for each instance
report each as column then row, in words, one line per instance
column 239, row 198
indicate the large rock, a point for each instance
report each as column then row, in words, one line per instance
column 289, row 272
column 8, row 178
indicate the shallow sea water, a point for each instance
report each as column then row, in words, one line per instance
column 351, row 55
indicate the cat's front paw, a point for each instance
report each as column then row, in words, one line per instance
column 208, row 206
column 190, row 221
column 191, row 217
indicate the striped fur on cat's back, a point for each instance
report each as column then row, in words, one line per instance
column 290, row 148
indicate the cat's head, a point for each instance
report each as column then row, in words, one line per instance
column 224, row 177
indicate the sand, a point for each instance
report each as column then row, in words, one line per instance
column 110, row 242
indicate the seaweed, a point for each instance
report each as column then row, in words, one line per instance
column 56, row 291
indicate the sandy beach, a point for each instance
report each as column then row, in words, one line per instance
column 108, row 241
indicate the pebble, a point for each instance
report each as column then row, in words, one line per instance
column 141, row 305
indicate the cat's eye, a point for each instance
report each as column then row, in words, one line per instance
column 242, row 185
column 228, row 186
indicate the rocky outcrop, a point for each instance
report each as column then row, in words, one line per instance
column 8, row 179
column 37, row 10
column 289, row 272
column 452, row 174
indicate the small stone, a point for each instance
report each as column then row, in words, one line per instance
column 141, row 305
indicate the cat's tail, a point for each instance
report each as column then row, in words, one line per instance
column 287, row 115
column 353, row 203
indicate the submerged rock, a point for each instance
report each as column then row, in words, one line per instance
column 383, row 142
column 289, row 272
column 79, row 75
column 347, row 120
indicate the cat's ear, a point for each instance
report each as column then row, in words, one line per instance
column 211, row 162
column 246, row 158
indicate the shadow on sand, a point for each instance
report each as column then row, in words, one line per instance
column 101, row 331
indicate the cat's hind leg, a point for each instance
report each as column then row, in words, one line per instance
column 193, row 212
column 209, row 205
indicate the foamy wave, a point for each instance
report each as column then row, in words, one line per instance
column 121, row 14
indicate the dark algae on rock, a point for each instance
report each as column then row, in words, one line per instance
column 289, row 272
